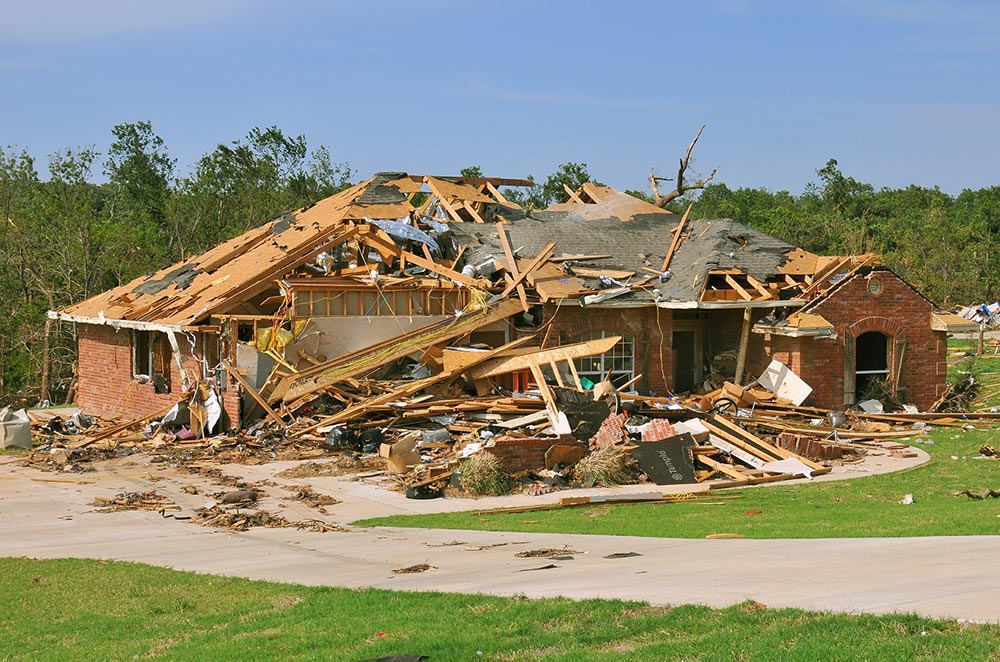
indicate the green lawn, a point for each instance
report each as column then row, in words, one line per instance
column 861, row 507
column 90, row 610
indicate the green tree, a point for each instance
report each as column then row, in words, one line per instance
column 245, row 183
column 569, row 175
column 141, row 174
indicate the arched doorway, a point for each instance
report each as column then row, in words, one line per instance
column 872, row 352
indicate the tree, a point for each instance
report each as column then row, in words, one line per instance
column 471, row 171
column 141, row 174
column 681, row 186
column 569, row 176
column 240, row 185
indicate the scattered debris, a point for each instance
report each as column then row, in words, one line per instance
column 545, row 553
column 979, row 496
column 409, row 570
column 149, row 500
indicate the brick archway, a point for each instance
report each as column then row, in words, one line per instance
column 886, row 325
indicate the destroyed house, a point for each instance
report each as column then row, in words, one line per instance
column 401, row 276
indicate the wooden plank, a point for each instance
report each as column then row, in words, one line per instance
column 367, row 359
column 739, row 288
column 524, row 360
column 444, row 202
column 721, row 467
column 519, row 278
column 550, row 282
column 409, row 388
column 511, row 263
column 253, row 392
column 555, row 370
column 497, row 194
column 572, row 194
column 677, row 239
column 734, row 433
column 760, row 287
column 430, row 265
column 741, row 357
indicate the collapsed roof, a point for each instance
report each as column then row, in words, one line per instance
column 398, row 230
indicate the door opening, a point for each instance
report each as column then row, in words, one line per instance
column 871, row 361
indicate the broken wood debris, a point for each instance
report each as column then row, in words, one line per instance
column 148, row 500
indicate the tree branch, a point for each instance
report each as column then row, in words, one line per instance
column 681, row 188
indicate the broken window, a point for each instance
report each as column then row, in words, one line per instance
column 618, row 364
column 151, row 355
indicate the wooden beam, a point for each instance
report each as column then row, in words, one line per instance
column 739, row 288
column 511, row 264
column 677, row 239
column 572, row 194
column 430, row 265
column 362, row 361
column 524, row 360
column 408, row 389
column 741, row 357
column 472, row 210
column 447, row 205
column 519, row 278
column 497, row 194
column 273, row 415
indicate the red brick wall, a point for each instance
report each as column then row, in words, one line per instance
column 107, row 387
column 524, row 454
column 898, row 309
column 651, row 328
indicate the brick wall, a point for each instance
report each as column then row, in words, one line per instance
column 106, row 384
column 524, row 454
column 650, row 327
column 897, row 311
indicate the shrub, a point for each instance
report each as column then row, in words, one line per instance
column 483, row 474
column 606, row 466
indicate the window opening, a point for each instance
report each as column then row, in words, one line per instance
column 618, row 363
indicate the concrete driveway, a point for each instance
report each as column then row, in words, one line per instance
column 49, row 515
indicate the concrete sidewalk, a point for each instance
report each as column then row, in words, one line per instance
column 47, row 515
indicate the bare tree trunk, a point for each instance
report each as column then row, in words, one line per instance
column 46, row 359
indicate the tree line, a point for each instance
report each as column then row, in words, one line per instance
column 66, row 237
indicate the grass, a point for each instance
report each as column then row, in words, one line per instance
column 862, row 507
column 74, row 609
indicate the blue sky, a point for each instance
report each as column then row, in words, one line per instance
column 899, row 92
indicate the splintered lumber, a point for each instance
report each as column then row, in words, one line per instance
column 610, row 499
column 741, row 358
column 426, row 263
column 721, row 467
column 524, row 359
column 314, row 379
column 253, row 392
column 677, row 239
column 519, row 278
column 407, row 389
column 818, row 431
column 737, row 436
column 511, row 264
